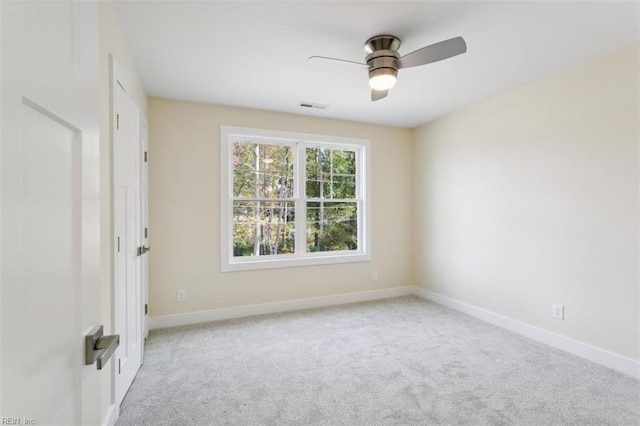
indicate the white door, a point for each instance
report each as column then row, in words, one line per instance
column 127, row 228
column 50, row 212
column 144, row 207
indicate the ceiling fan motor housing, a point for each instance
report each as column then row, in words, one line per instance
column 382, row 55
column 381, row 42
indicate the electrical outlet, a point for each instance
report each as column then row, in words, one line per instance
column 181, row 295
column 558, row 311
column 375, row 276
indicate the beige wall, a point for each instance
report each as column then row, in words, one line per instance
column 531, row 198
column 111, row 42
column 184, row 210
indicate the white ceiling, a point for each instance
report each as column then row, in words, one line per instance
column 254, row 54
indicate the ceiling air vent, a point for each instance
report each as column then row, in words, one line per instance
column 312, row 105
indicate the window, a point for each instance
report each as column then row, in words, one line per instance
column 291, row 199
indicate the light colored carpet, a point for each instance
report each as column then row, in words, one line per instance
column 401, row 361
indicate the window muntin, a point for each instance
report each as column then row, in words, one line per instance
column 275, row 183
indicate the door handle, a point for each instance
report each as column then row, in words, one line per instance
column 99, row 348
column 142, row 250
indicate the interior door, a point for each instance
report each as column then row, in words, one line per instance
column 144, row 207
column 50, row 212
column 127, row 228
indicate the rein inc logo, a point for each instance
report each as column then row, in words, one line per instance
column 17, row 421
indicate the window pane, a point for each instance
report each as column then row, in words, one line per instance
column 344, row 186
column 265, row 184
column 262, row 170
column 330, row 173
column 313, row 168
column 326, row 185
column 336, row 186
column 325, row 159
column 344, row 162
column 313, row 188
column 263, row 228
column 332, row 226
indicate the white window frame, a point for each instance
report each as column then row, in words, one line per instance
column 301, row 258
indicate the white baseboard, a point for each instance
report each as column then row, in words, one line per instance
column 270, row 308
column 111, row 416
column 601, row 356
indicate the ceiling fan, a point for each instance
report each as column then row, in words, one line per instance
column 384, row 61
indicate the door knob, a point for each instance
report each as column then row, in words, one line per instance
column 99, row 348
column 142, row 250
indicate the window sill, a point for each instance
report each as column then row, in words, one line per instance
column 250, row 263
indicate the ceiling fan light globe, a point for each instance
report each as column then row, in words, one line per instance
column 382, row 81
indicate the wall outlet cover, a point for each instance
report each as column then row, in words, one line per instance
column 558, row 311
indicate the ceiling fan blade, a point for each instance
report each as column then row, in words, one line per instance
column 434, row 53
column 336, row 59
column 376, row 95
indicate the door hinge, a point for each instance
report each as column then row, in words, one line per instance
column 146, row 308
column 146, row 233
column 145, row 156
column 117, row 121
column 118, row 244
column 119, row 366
